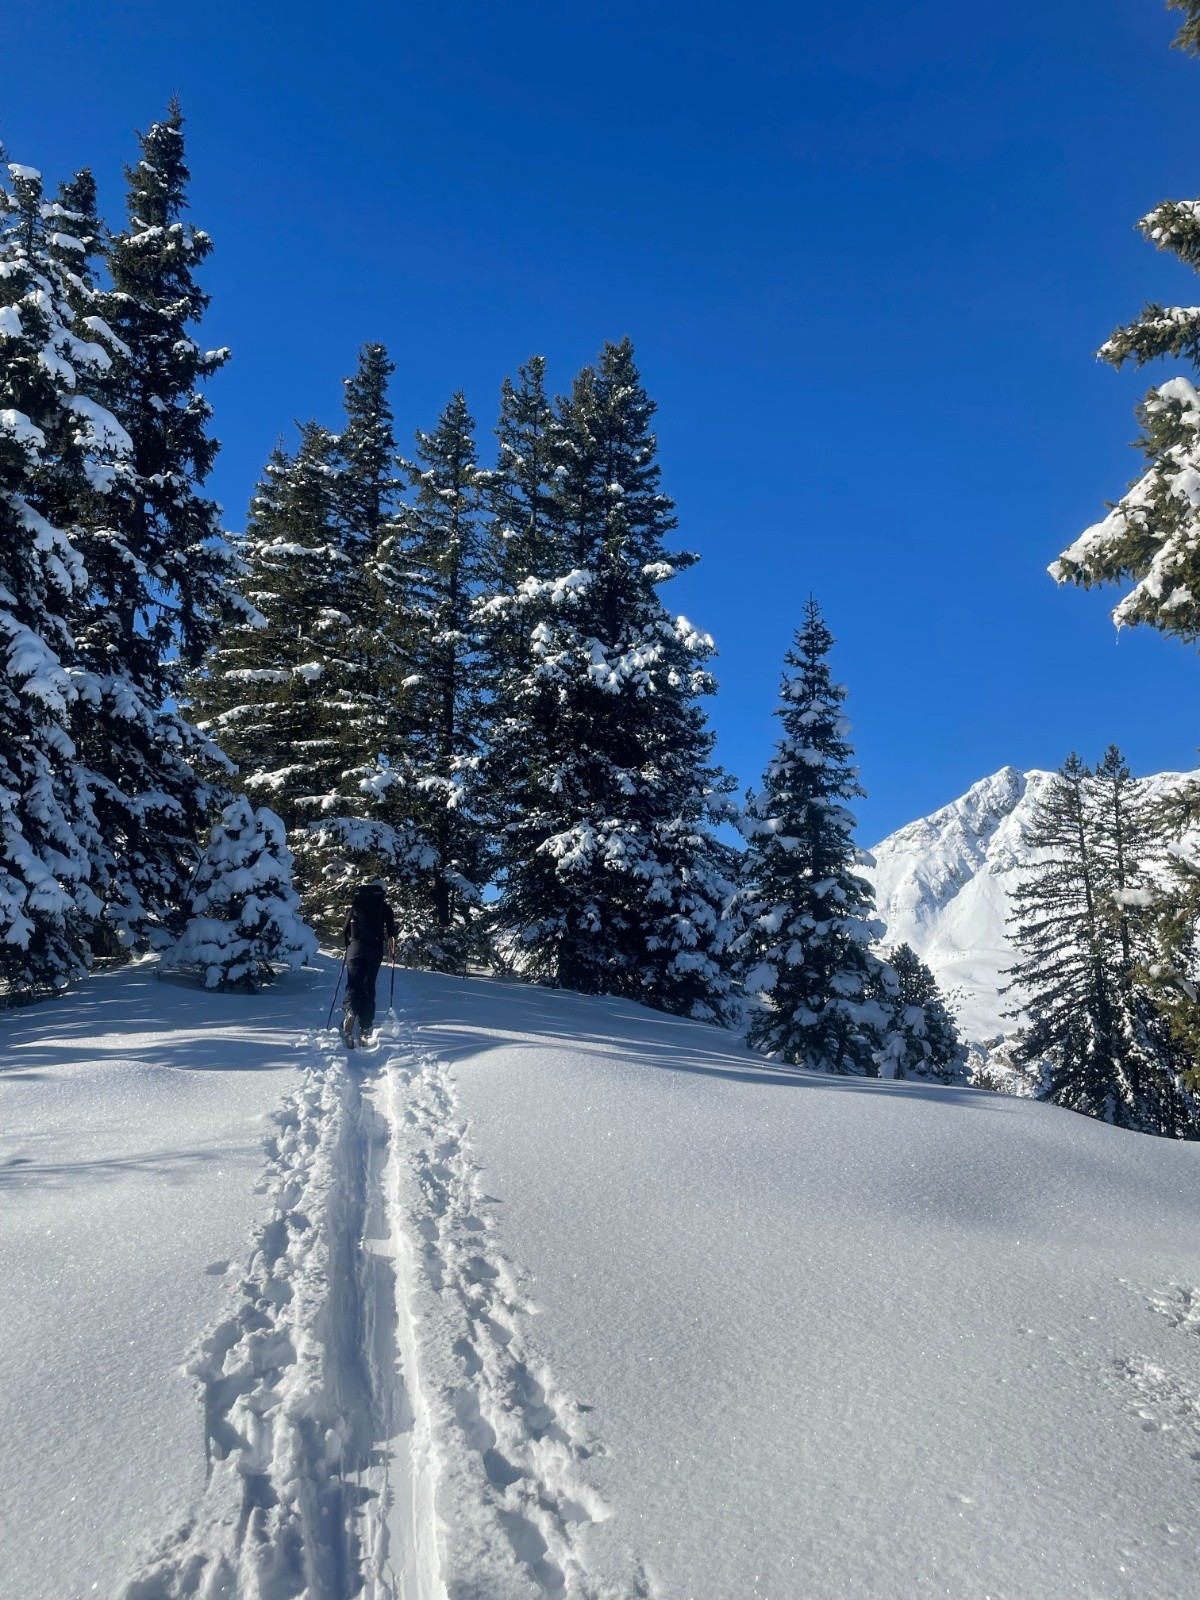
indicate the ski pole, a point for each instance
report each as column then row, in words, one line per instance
column 337, row 986
column 392, row 990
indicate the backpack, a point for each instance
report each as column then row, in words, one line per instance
column 366, row 915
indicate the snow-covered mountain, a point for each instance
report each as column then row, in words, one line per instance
column 943, row 885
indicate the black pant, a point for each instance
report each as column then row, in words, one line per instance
column 362, row 968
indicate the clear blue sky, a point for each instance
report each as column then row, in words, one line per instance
column 865, row 254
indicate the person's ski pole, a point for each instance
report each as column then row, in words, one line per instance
column 337, row 986
column 392, row 990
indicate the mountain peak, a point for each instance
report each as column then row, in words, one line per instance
column 943, row 885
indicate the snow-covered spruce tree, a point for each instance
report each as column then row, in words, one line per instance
column 244, row 917
column 521, row 558
column 1152, row 535
column 54, row 441
column 1088, row 1015
column 920, row 1037
column 159, row 568
column 1151, row 538
column 276, row 690
column 1173, row 965
column 367, row 482
column 424, row 828
column 365, row 829
column 613, row 881
column 806, row 949
column 1131, row 854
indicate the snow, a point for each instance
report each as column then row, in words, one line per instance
column 131, row 1116
column 836, row 1337
column 546, row 1295
column 17, row 426
column 943, row 885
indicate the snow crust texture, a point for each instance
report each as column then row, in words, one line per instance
column 943, row 885
column 287, row 1390
column 554, row 1296
column 377, row 1419
column 514, row 1490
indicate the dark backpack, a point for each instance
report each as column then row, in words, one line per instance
column 366, row 915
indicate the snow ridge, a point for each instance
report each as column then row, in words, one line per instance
column 290, row 1401
column 513, row 1491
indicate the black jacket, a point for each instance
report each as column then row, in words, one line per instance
column 370, row 918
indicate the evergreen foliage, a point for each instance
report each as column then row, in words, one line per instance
column 368, row 482
column 55, row 443
column 277, row 691
column 159, row 569
column 1172, row 964
column 612, row 878
column 1081, row 927
column 423, row 829
column 1188, row 37
column 920, row 1035
column 244, row 916
column 1150, row 535
column 808, row 911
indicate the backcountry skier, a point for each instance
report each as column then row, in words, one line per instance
column 371, row 920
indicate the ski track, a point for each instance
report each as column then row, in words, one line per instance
column 373, row 1407
column 513, row 1493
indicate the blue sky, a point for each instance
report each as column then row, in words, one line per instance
column 865, row 254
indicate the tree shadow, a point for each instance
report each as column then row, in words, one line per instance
column 554, row 1020
column 130, row 1015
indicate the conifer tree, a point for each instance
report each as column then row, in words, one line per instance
column 54, row 442
column 1188, row 37
column 1151, row 535
column 920, row 1037
column 1088, row 1014
column 303, row 696
column 613, row 879
column 159, row 568
column 368, row 482
column 1151, row 539
column 806, row 949
column 275, row 692
column 244, row 916
column 424, row 826
column 520, row 561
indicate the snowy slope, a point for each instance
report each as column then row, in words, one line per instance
column 942, row 885
column 132, row 1116
column 828, row 1339
column 549, row 1296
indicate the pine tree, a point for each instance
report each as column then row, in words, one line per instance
column 159, row 568
column 368, row 483
column 806, row 950
column 613, row 880
column 920, row 1037
column 425, row 833
column 1173, row 962
column 1079, row 928
column 244, row 917
column 356, row 834
column 1152, row 535
column 275, row 692
column 1188, row 37
column 54, row 443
